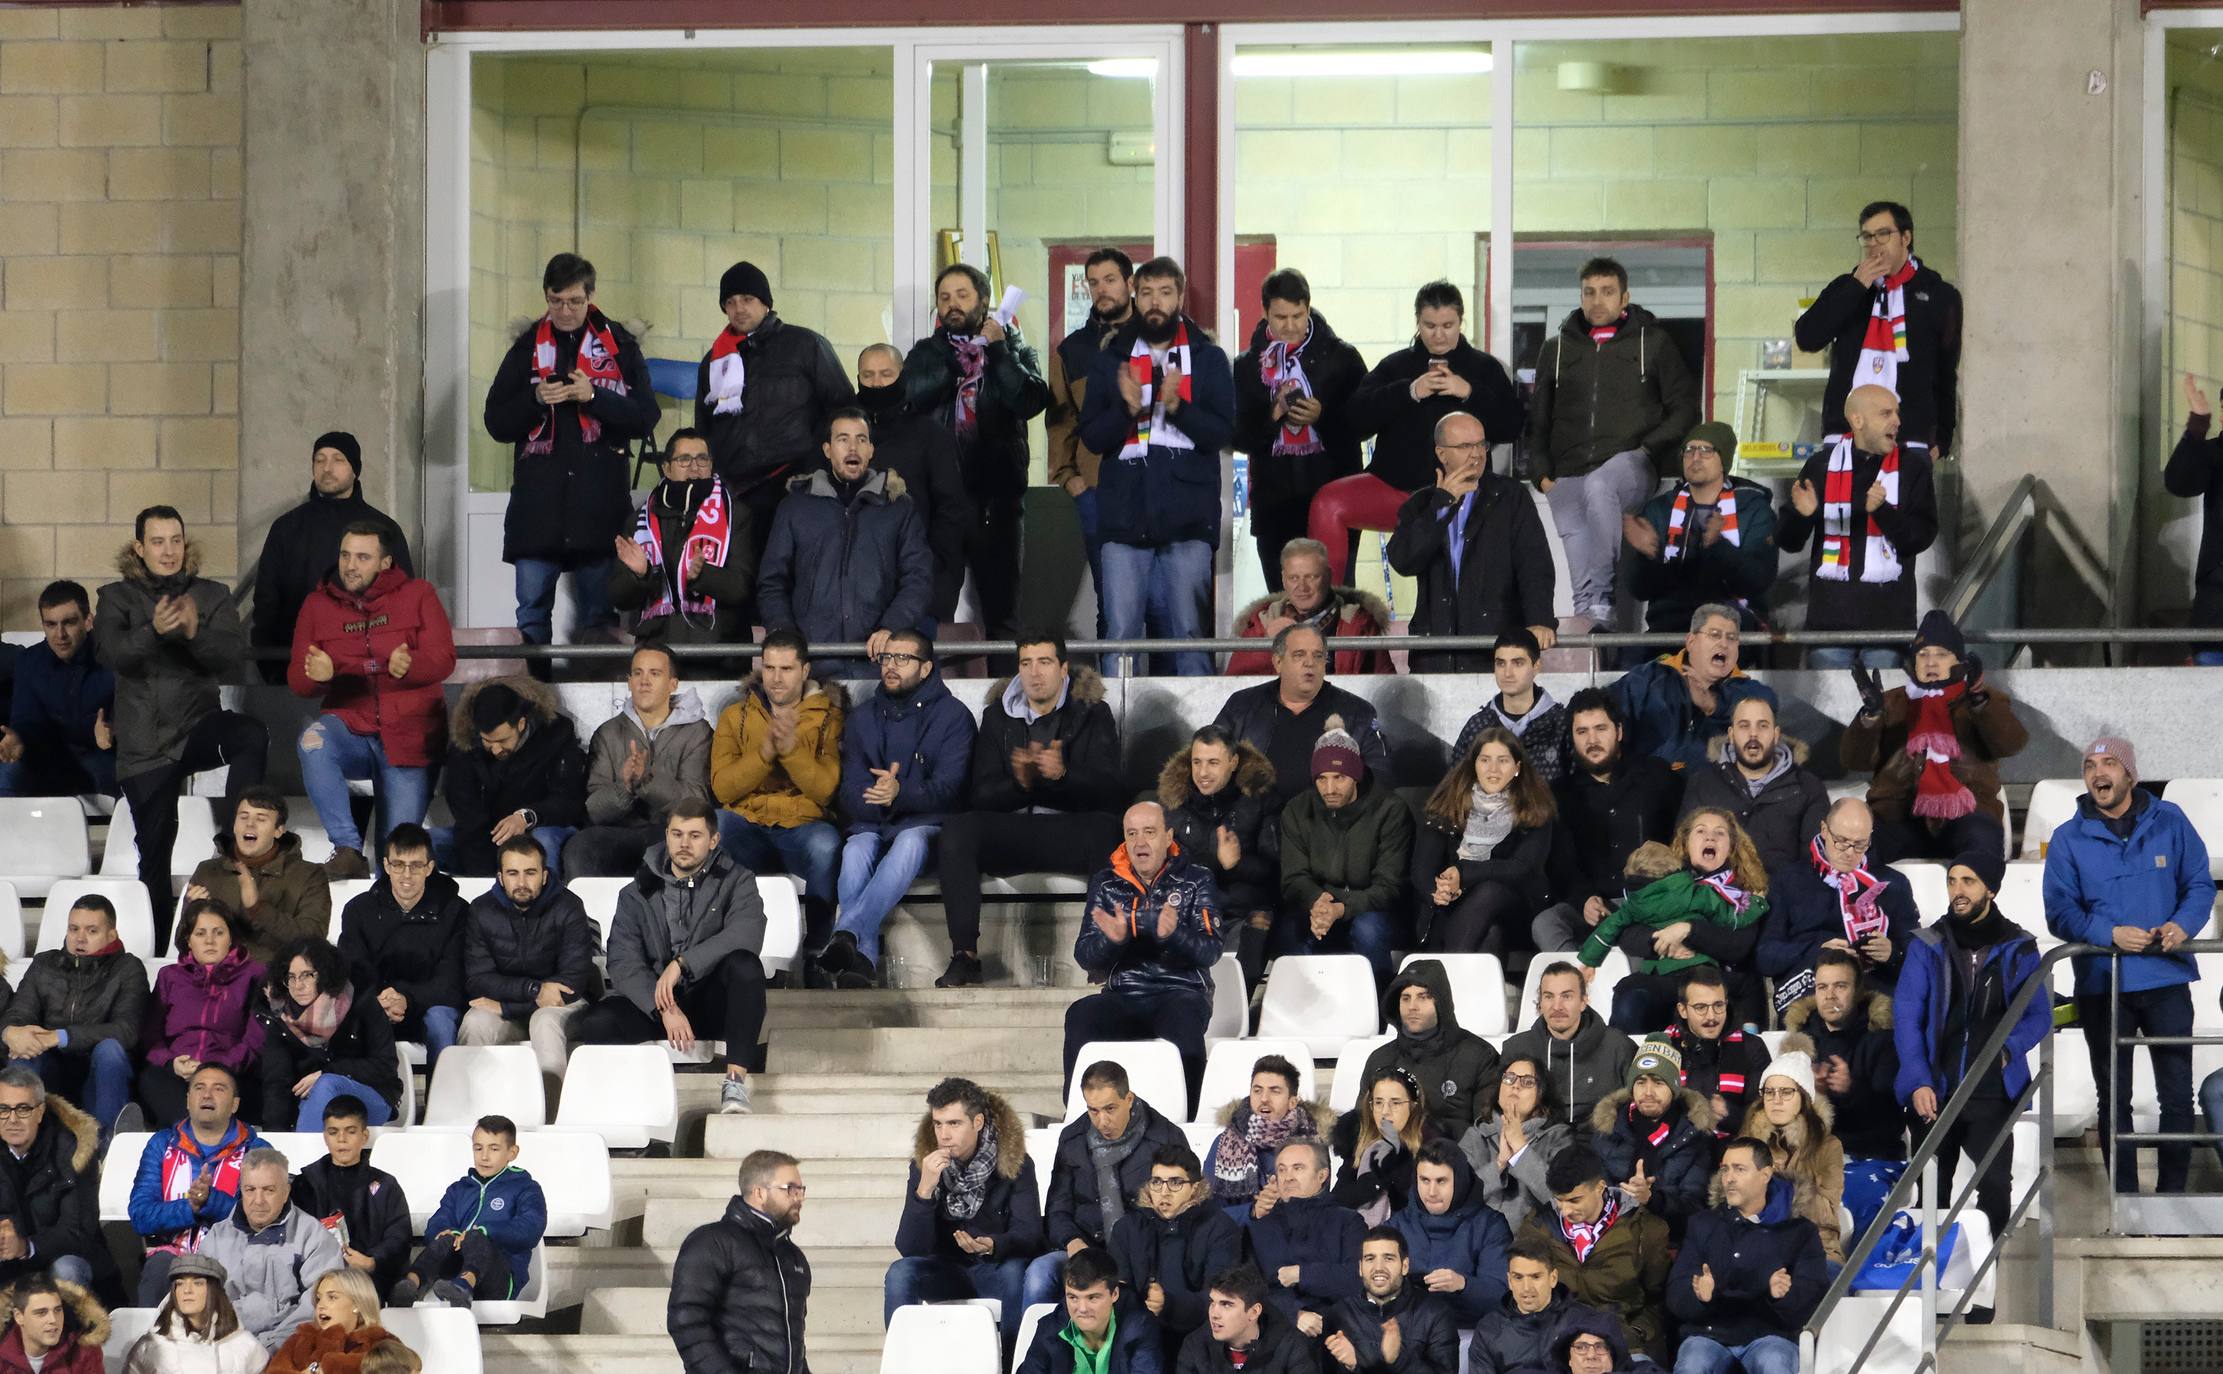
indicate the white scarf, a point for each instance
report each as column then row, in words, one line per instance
column 1881, row 562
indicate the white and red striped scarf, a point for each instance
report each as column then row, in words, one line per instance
column 1152, row 427
column 1858, row 893
column 598, row 358
column 1657, row 1134
column 972, row 365
column 1724, row 884
column 1281, row 368
column 1583, row 1236
column 1603, row 333
column 1678, row 521
column 1884, row 346
column 712, row 532
column 1938, row 794
column 727, row 374
column 1881, row 561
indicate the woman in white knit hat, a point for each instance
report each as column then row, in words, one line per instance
column 1795, row 1121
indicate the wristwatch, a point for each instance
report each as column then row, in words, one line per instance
column 532, row 817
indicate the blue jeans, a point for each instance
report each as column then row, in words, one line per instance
column 933, row 1279
column 1045, row 1281
column 331, row 755
column 441, row 1025
column 2208, row 658
column 1084, row 509
column 551, row 837
column 2162, row 1011
column 1767, row 1355
column 811, row 851
column 536, row 597
column 310, row 1119
column 1841, row 656
column 872, row 883
column 100, row 1079
column 1156, row 592
column 1371, row 933
column 64, row 771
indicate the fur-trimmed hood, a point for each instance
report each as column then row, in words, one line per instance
column 1011, row 1137
column 1254, row 775
column 540, row 700
column 1868, row 1004
column 80, row 1124
column 1697, row 1109
column 132, row 568
column 1084, row 688
column 92, row 1318
column 1347, row 600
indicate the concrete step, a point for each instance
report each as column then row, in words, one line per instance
column 933, row 1051
column 811, row 1135
column 841, row 1303
column 516, row 1353
column 993, row 1008
column 839, row 1094
column 1014, row 935
column 860, row 1215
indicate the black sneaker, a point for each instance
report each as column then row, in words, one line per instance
column 815, row 973
column 963, row 972
column 452, row 1293
column 846, row 964
column 405, row 1294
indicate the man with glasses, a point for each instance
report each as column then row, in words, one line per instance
column 1719, row 1062
column 1675, row 707
column 1169, row 1249
column 49, row 1185
column 403, row 942
column 687, row 567
column 906, row 758
column 741, row 1285
column 1710, row 539
column 1837, row 898
column 1478, row 550
column 572, row 395
column 1283, row 719
column 1762, row 779
column 1890, row 322
column 847, row 560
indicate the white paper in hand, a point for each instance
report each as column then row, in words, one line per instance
column 1008, row 311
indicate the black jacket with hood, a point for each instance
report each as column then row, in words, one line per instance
column 1582, row 1069
column 1333, row 369
column 1012, row 392
column 1246, row 806
column 1594, row 400
column 1743, row 1252
column 1082, row 723
column 165, row 683
column 1074, row 1211
column 791, row 381
column 1181, row 1255
column 418, row 953
column 546, row 774
column 1404, row 429
column 302, row 546
column 1428, row 1335
column 1280, row 1349
column 1870, row 1122
column 1601, row 824
column 1010, row 1212
column 1456, row 1068
column 1510, row 1341
column 739, row 1298
column 567, row 505
column 52, row 1194
column 1680, row 1166
column 1589, row 1321
column 1929, row 379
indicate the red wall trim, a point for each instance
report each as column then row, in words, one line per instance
column 1200, row 168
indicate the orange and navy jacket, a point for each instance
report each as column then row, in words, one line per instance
column 1142, row 963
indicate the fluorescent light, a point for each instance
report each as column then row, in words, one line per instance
column 1325, row 62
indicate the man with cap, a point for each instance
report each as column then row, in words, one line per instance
column 1345, row 847
column 1710, row 539
column 2129, row 870
column 304, row 543
column 1934, row 746
column 1656, row 1137
column 1962, row 973
column 762, row 395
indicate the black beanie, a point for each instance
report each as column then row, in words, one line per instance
column 744, row 279
column 345, row 443
column 1938, row 631
column 1985, row 864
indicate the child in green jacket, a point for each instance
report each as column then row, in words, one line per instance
column 1720, row 886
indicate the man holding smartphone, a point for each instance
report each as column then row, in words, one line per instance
column 1477, row 548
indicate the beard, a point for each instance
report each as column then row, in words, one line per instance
column 965, row 321
column 1157, row 328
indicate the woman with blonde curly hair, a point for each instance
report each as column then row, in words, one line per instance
column 1484, row 839
column 1703, row 906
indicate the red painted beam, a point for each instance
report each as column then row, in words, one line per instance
column 1200, row 168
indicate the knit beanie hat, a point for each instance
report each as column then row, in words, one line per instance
column 345, row 443
column 744, row 279
column 1986, row 864
column 1657, row 1059
column 1723, row 438
column 2117, row 748
column 1938, row 631
column 1796, row 1065
column 1337, row 752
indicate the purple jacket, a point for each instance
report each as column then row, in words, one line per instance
column 203, row 1011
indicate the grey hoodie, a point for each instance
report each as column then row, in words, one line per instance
column 704, row 918
column 1582, row 1070
column 678, row 763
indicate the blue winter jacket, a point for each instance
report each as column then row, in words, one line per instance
column 1322, row 1238
column 1469, row 1238
column 1167, row 494
column 56, row 703
column 1924, row 994
column 1743, row 1254
column 930, row 733
column 838, row 572
column 508, row 1208
column 1142, row 963
column 159, row 1211
column 2095, row 882
column 1660, row 719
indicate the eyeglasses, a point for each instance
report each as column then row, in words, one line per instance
column 898, row 660
column 296, row 979
column 1715, row 1007
column 1519, row 1080
column 406, row 867
column 1470, row 449
column 1690, row 450
column 791, row 1189
column 1849, row 846
column 1589, row 1345
column 688, row 460
column 1168, row 1185
column 20, row 1110
column 1870, row 237
column 1779, row 1094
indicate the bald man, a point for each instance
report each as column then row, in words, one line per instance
column 1870, row 507
column 1153, row 934
column 924, row 455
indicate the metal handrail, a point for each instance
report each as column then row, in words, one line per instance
column 1984, row 564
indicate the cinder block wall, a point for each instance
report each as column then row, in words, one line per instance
column 119, row 286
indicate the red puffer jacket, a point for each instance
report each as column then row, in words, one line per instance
column 361, row 633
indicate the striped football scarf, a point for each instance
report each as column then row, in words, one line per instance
column 1880, row 563
column 1281, row 368
column 1938, row 794
column 1583, row 1236
column 1884, row 346
column 1678, row 521
column 1152, row 427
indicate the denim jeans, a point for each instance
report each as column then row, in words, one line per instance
column 933, row 1279
column 1157, row 592
column 536, row 597
column 310, row 1118
column 331, row 755
column 811, row 851
column 552, row 840
column 1767, row 1355
column 100, row 1078
column 1841, row 656
column 2208, row 658
column 872, row 882
column 1587, row 511
column 63, row 772
column 441, row 1025
column 1045, row 1280
column 1371, row 933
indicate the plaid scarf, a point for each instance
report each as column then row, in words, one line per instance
column 1249, row 1134
column 1152, row 427
column 315, row 1024
column 727, row 373
column 1938, row 794
column 972, row 365
column 1880, row 561
column 1884, row 346
column 1583, row 1236
column 965, row 1186
column 1281, row 368
column 1724, row 885
column 712, row 532
column 1677, row 542
column 1857, row 895
column 598, row 358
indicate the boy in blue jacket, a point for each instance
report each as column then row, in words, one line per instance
column 480, row 1240
column 2129, row 870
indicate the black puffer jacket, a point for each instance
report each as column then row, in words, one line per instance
column 547, row 774
column 1456, row 1068
column 418, row 953
column 740, row 1291
column 1334, row 370
column 1012, row 392
column 1404, row 429
column 924, row 455
column 570, row 503
column 508, row 953
column 838, row 570
column 1280, row 1349
column 791, row 382
column 1075, row 1211
column 1246, row 806
column 1182, row 1256
column 1594, row 400
column 362, row 1048
column 52, row 1194
column 1084, row 725
column 94, row 997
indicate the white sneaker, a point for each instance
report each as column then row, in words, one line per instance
column 733, row 1097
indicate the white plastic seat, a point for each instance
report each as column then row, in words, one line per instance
column 599, row 896
column 1228, row 1066
column 199, row 819
column 573, row 1170
column 1033, row 1318
column 424, row 1163
column 345, row 890
column 624, row 1093
column 1230, row 1002
column 471, row 889
column 782, row 896
column 1927, row 882
column 125, row 1326
column 134, row 912
column 2052, row 801
column 1042, row 1149
column 1201, row 1135
column 2021, row 894
column 950, row 1338
column 1610, row 973
column 1350, row 1067
column 1477, row 989
column 1153, row 1074
column 532, row 1302
column 118, row 1173
column 445, row 1338
column 42, row 839
column 303, row 822
column 1321, row 999
column 2202, row 802
column 472, row 1081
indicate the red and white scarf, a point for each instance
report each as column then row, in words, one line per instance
column 728, row 375
column 1657, row 1134
column 1678, row 521
column 1884, row 346
column 1583, row 1236
column 712, row 532
column 1880, row 563
column 1858, row 892
column 1152, row 427
column 598, row 358
column 972, row 366
column 1281, row 368
column 1724, row 884
column 1939, row 795
column 1602, row 334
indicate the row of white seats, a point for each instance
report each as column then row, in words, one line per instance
column 446, row 1340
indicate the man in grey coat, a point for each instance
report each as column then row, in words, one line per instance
column 640, row 762
column 683, row 953
column 272, row 1252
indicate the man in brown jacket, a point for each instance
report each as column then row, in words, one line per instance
column 1934, row 746
column 774, row 765
column 258, row 871
column 1111, row 288
column 1610, row 1257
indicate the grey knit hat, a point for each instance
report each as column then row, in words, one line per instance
column 198, row 1267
